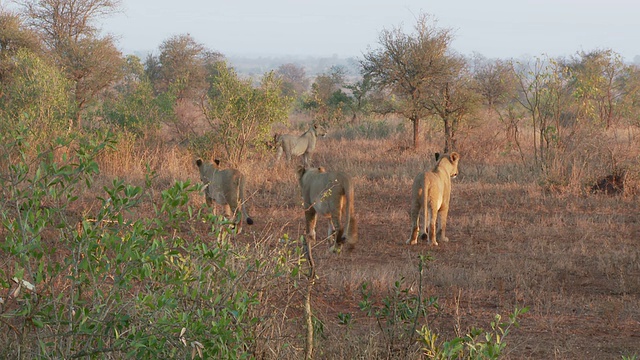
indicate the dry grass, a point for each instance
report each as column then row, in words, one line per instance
column 571, row 256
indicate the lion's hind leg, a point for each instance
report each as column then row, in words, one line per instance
column 279, row 151
column 232, row 208
column 415, row 217
column 310, row 216
column 338, row 232
column 231, row 216
column 442, row 225
column 433, row 217
column 426, row 215
column 306, row 159
column 415, row 225
column 419, row 210
column 330, row 229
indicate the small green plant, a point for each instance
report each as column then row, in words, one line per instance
column 345, row 318
column 399, row 312
column 477, row 344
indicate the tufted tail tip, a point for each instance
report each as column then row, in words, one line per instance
column 249, row 221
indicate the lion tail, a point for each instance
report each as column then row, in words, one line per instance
column 426, row 185
column 351, row 229
column 243, row 207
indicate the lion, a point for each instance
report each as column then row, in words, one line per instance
column 226, row 188
column 329, row 194
column 430, row 197
column 293, row 145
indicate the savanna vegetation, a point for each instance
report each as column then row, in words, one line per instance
column 108, row 250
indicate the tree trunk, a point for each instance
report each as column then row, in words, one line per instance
column 79, row 120
column 308, row 346
column 416, row 132
column 448, row 137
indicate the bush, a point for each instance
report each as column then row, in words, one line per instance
column 35, row 96
column 108, row 283
column 371, row 129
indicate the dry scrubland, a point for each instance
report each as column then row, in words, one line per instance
column 571, row 256
column 517, row 239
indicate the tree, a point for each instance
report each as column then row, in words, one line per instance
column 182, row 63
column 294, row 79
column 239, row 115
column 14, row 37
column 133, row 105
column 181, row 75
column 96, row 64
column 91, row 62
column 596, row 81
column 631, row 102
column 62, row 21
column 494, row 80
column 453, row 100
column 496, row 83
column 542, row 88
column 412, row 67
column 361, row 96
column 36, row 98
column 133, row 70
column 327, row 100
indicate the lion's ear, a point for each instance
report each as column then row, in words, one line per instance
column 437, row 156
column 315, row 126
column 454, row 156
column 217, row 161
column 199, row 162
column 321, row 169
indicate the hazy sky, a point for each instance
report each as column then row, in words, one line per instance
column 494, row 28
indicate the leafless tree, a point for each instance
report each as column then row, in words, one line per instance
column 422, row 72
column 294, row 79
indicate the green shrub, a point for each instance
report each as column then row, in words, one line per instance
column 111, row 283
column 35, row 96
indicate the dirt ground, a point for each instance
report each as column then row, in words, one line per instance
column 572, row 259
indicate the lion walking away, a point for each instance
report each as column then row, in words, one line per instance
column 430, row 197
column 329, row 194
column 226, row 188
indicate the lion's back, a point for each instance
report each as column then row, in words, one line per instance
column 437, row 187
